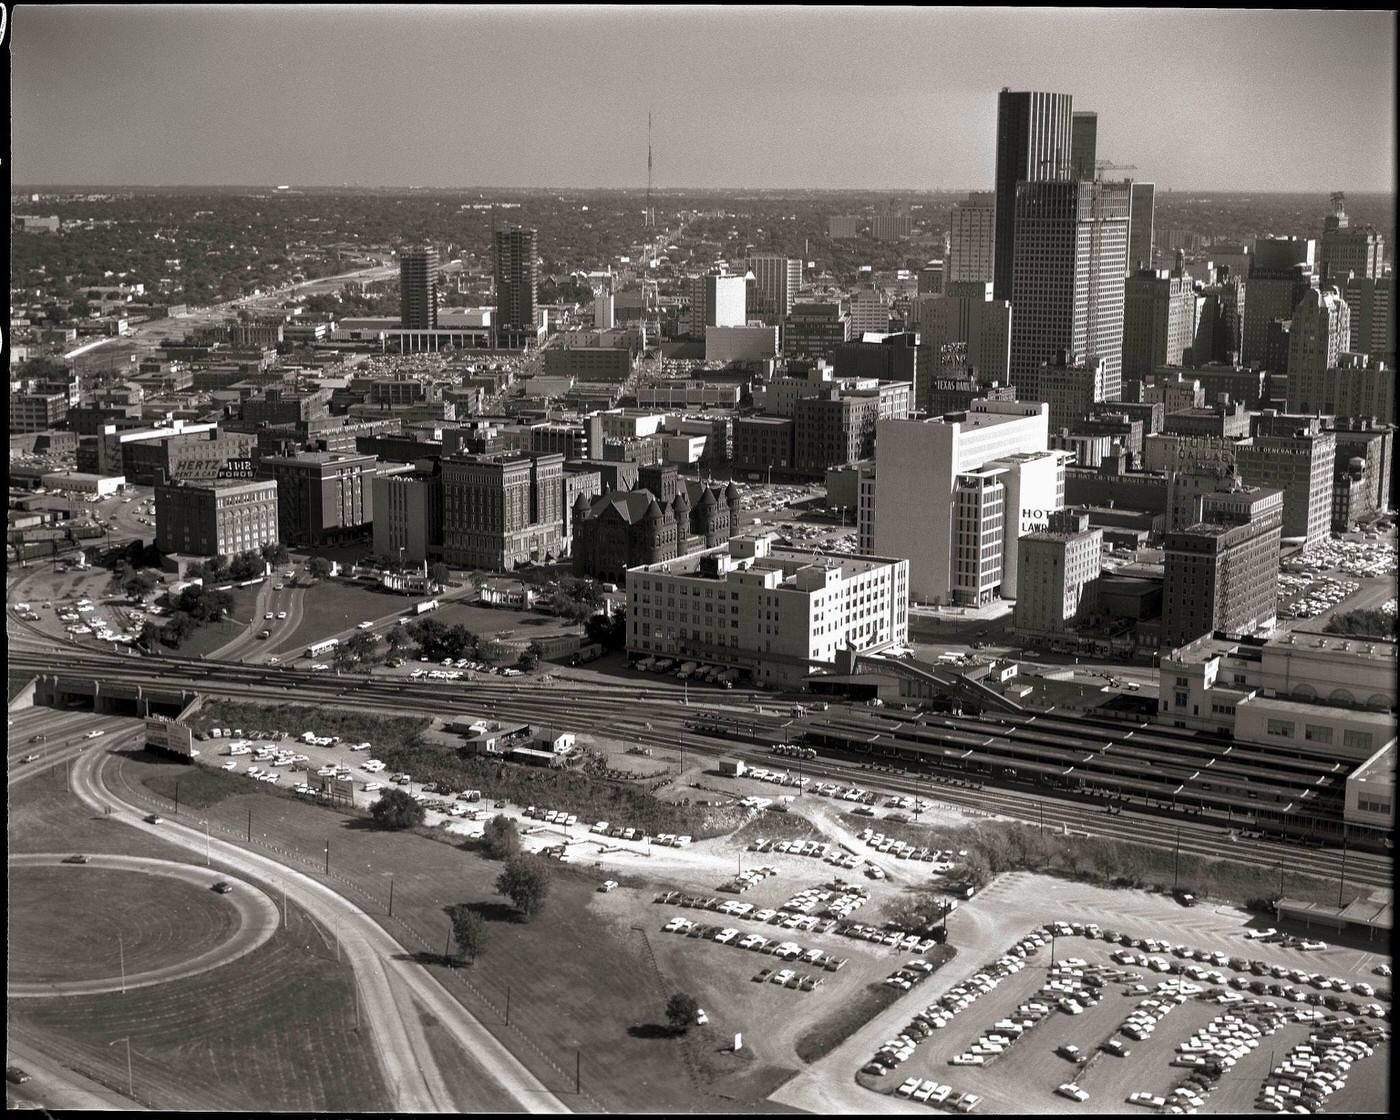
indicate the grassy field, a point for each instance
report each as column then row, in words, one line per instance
column 588, row 998
column 65, row 922
column 403, row 732
column 196, row 787
column 273, row 1031
column 1109, row 862
column 212, row 635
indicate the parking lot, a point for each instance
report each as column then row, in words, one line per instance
column 1142, row 1030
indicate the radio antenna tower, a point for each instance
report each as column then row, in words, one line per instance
column 649, row 218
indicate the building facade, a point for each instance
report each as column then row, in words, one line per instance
column 418, row 283
column 408, row 516
column 1280, row 272
column 972, row 240
column 1295, row 454
column 1059, row 569
column 517, row 275
column 217, row 518
column 773, row 614
column 322, row 497
column 502, row 510
column 1159, row 320
column 1033, row 145
column 776, row 280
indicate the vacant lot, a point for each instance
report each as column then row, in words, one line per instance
column 294, row 719
column 76, row 923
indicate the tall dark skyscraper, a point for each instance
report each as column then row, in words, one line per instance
column 1084, row 144
column 1033, row 145
column 517, row 287
column 418, row 280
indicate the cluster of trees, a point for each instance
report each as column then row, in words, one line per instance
column 525, row 881
column 396, row 810
column 436, row 640
column 576, row 599
column 245, row 565
column 501, row 837
column 134, row 583
column 610, row 631
column 194, row 607
column 1364, row 623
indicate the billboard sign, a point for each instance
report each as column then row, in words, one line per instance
column 237, row 469
column 168, row 735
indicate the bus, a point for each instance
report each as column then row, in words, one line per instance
column 322, row 647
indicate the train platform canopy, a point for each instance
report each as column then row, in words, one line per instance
column 1368, row 914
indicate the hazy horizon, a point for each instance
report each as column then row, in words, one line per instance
column 878, row 99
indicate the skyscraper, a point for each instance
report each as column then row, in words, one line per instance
column 1141, row 245
column 1084, row 140
column 1159, row 311
column 1033, row 146
column 1321, row 331
column 1071, row 257
column 418, row 279
column 965, row 313
column 1280, row 271
column 1346, row 248
column 1372, row 305
column 776, row 280
column 517, row 287
column 972, row 239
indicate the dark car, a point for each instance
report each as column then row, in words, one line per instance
column 153, row 818
column 222, row 887
column 38, row 738
column 15, row 1076
column 76, row 859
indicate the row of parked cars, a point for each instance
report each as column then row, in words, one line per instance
column 1311, row 1072
column 932, row 1093
column 845, row 793
column 790, row 847
column 941, row 858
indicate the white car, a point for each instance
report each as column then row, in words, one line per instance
column 281, row 615
column 365, row 626
column 95, row 734
column 1072, row 1091
column 371, row 787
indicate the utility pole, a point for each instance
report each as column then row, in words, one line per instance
column 250, row 826
column 1341, row 885
column 1176, row 860
column 121, row 956
column 177, row 797
column 578, row 1071
column 447, row 949
column 207, row 862
column 507, row 1005
column 391, row 896
column 328, row 856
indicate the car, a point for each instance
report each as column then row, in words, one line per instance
column 281, row 615
column 267, row 616
column 153, row 818
column 365, row 626
column 76, row 859
column 700, row 1017
column 1072, row 1091
column 31, row 758
column 15, row 1076
column 222, row 887
column 38, row 738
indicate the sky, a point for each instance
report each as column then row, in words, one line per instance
column 761, row 97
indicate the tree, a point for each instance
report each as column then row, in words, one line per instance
column 468, row 931
column 395, row 809
column 216, row 567
column 319, row 567
column 362, row 645
column 137, row 585
column 179, row 627
column 680, row 1012
column 246, row 565
column 489, row 649
column 395, row 639
column 525, row 881
column 150, row 636
column 501, row 837
column 440, row 574
column 528, row 659
column 275, row 552
column 609, row 631
column 344, row 656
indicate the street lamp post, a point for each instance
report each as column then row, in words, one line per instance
column 130, row 1082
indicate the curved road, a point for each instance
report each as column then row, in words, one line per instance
column 394, row 990
column 257, row 914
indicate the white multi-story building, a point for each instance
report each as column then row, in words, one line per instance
column 972, row 239
column 870, row 312
column 939, row 482
column 717, row 301
column 774, row 614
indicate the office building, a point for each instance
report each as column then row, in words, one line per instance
column 1356, row 386
column 1319, row 334
column 1217, row 421
column 763, row 444
column 1059, row 569
column 928, row 474
column 1142, row 244
column 1222, row 572
column 627, row 529
column 1220, row 320
column 37, row 412
column 1248, row 387
column 930, row 279
column 322, row 497
column 717, row 301
column 895, row 357
column 972, row 240
column 966, row 314
column 834, row 429
column 1296, row 455
column 891, row 225
column 517, row 276
column 1347, row 250
column 870, row 312
column 1071, row 388
column 1362, row 479
column 772, row 614
column 502, row 510
column 842, row 227
column 408, row 515
column 418, row 289
column 776, row 280
column 1159, row 312
column 1083, row 145
column 749, row 344
column 589, row 363
column 1033, row 146
column 216, row 518
column 1280, row 272
column 180, row 453
column 1371, row 304
column 814, row 330
column 1071, row 253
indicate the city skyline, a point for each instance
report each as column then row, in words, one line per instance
column 256, row 95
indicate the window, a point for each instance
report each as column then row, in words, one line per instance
column 1315, row 734
column 1357, row 739
column 1281, row 727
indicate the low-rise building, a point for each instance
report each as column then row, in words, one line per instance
column 773, row 614
column 1058, row 569
column 216, row 518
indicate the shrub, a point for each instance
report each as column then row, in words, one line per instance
column 502, row 837
column 396, row 809
column 680, row 1012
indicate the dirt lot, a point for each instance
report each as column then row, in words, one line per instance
column 1025, row 1078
